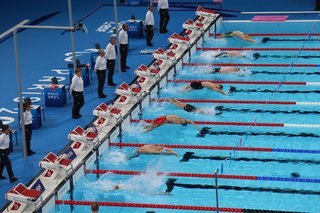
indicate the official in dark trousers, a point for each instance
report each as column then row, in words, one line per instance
column 149, row 23
column 76, row 90
column 28, row 126
column 123, row 40
column 4, row 152
column 163, row 7
column 101, row 68
column 110, row 52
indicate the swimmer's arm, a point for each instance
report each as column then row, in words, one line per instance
column 148, row 128
column 191, row 122
column 222, row 92
column 185, row 89
column 203, row 112
column 170, row 151
column 165, row 193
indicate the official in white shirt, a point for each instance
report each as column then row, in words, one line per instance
column 4, row 152
column 123, row 40
column 28, row 126
column 76, row 90
column 163, row 7
column 101, row 68
column 149, row 23
column 111, row 60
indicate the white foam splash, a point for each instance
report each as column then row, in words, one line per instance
column 116, row 157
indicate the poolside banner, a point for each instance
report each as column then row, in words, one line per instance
column 70, row 153
column 38, row 185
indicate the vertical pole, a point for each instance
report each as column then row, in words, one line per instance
column 16, row 51
column 117, row 32
column 216, row 184
column 72, row 36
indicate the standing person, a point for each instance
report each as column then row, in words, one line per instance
column 110, row 52
column 101, row 68
column 149, row 23
column 123, row 40
column 28, row 126
column 163, row 7
column 76, row 90
column 4, row 152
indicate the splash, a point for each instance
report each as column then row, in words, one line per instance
column 148, row 183
column 243, row 72
column 116, row 157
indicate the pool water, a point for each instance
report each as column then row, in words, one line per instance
column 289, row 156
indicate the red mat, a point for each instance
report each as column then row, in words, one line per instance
column 269, row 18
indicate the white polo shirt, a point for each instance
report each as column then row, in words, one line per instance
column 4, row 141
column 101, row 63
column 123, row 37
column 149, row 18
column 110, row 52
column 76, row 84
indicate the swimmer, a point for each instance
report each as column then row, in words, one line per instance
column 238, row 34
column 166, row 119
column 151, row 149
column 225, row 70
column 204, row 84
column 235, row 54
column 187, row 107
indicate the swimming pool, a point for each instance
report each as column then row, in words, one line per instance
column 256, row 157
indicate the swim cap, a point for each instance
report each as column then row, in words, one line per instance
column 185, row 123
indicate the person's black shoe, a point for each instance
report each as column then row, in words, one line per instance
column 162, row 31
column 102, row 96
column 75, row 117
column 149, row 44
column 13, row 179
column 166, row 30
column 2, row 177
column 32, row 152
column 127, row 67
column 123, row 70
column 113, row 84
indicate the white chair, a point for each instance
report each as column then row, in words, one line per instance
column 55, row 165
column 144, row 81
column 205, row 15
column 125, row 89
column 101, row 122
column 190, row 25
column 143, row 70
column 16, row 207
column 107, row 111
column 22, row 194
column 123, row 100
column 177, row 48
column 79, row 134
column 164, row 55
column 178, row 39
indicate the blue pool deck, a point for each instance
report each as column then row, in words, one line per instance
column 42, row 53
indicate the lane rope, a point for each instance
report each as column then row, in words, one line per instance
column 256, row 49
column 250, row 65
column 167, row 206
column 223, row 148
column 241, row 102
column 245, row 82
column 197, row 175
column 234, row 123
column 277, row 34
